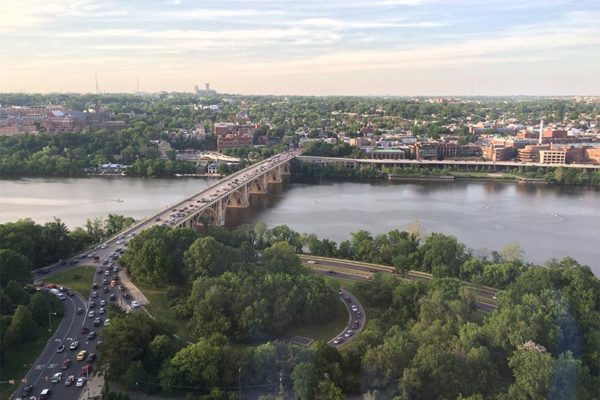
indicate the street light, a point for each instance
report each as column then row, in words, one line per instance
column 50, row 321
column 240, row 382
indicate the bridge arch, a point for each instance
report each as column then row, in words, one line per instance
column 208, row 216
column 237, row 199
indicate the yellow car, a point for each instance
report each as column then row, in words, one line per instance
column 81, row 356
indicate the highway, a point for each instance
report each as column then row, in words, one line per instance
column 357, row 270
column 49, row 361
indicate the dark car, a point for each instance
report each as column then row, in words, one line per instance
column 105, row 289
column 97, row 321
column 92, row 304
column 125, row 295
column 85, row 330
column 66, row 363
column 91, row 336
column 27, row 390
column 73, row 262
column 94, row 285
column 113, row 297
column 91, row 358
column 105, row 282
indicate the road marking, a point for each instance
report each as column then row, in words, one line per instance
column 39, row 366
column 52, row 366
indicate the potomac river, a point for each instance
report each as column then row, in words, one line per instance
column 547, row 221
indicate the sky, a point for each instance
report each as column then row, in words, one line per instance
column 302, row 47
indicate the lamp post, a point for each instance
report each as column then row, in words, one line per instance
column 240, row 383
column 50, row 321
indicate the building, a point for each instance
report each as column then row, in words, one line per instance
column 213, row 168
column 441, row 151
column 233, row 141
column 227, row 128
column 206, row 92
column 388, row 154
column 498, row 153
column 531, row 153
column 553, row 134
column 553, row 156
column 593, row 154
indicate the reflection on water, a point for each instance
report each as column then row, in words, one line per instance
column 548, row 221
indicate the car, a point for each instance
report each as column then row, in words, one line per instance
column 107, row 322
column 104, row 245
column 86, row 370
column 113, row 296
column 94, row 286
column 74, row 345
column 27, row 390
column 104, row 282
column 94, row 294
column 57, row 377
column 45, row 394
column 60, row 348
column 73, row 262
column 338, row 340
column 354, row 308
column 356, row 324
column 97, row 321
column 70, row 379
column 106, row 273
column 92, row 304
column 99, row 271
column 311, row 262
column 91, row 358
column 125, row 295
column 81, row 381
column 79, row 310
column 91, row 314
column 91, row 335
column 66, row 363
column 81, row 355
column 102, row 302
column 85, row 330
column 61, row 296
column 105, row 289
column 135, row 304
column 101, row 310
column 348, row 333
column 70, row 293
column 331, row 272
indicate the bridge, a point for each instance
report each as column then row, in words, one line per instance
column 209, row 206
column 467, row 165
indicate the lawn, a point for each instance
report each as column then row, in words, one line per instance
column 79, row 279
column 326, row 330
column 159, row 308
column 20, row 358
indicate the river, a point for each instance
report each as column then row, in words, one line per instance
column 547, row 221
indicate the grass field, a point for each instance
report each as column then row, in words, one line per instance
column 159, row 308
column 79, row 279
column 323, row 331
column 20, row 358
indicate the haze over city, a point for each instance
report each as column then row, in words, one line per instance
column 380, row 47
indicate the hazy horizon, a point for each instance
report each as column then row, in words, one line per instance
column 282, row 47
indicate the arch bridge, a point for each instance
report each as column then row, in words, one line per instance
column 210, row 205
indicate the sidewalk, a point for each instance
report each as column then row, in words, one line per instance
column 134, row 292
column 93, row 388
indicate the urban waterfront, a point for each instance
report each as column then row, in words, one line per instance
column 547, row 221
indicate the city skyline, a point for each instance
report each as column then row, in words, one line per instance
column 380, row 47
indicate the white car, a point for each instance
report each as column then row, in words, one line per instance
column 80, row 382
column 107, row 322
column 135, row 304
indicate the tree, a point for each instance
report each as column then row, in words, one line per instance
column 326, row 390
column 206, row 257
column 135, row 375
column 14, row 267
column 532, row 369
column 40, row 308
column 22, row 327
column 304, row 377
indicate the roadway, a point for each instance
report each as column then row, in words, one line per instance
column 356, row 270
column 357, row 318
column 49, row 361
